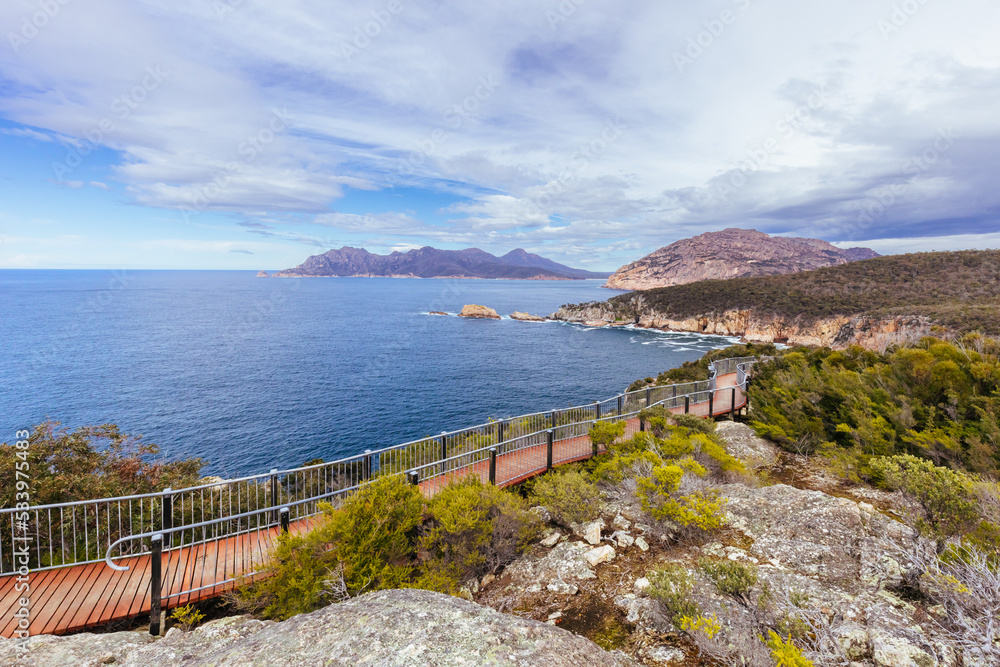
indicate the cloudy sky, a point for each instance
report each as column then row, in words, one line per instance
column 250, row 134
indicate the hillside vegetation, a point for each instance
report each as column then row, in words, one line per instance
column 957, row 290
column 938, row 400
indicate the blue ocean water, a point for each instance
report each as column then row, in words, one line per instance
column 254, row 373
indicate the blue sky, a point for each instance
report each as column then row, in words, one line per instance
column 243, row 134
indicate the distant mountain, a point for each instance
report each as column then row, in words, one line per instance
column 731, row 253
column 428, row 262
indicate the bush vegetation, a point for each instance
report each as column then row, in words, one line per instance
column 661, row 463
column 472, row 529
column 90, row 462
column 936, row 399
column 671, row 586
column 384, row 536
column 569, row 495
column 366, row 544
column 731, row 578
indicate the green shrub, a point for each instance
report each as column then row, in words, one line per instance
column 187, row 617
column 472, row 529
column 605, row 433
column 366, row 544
column 671, row 586
column 731, row 578
column 945, row 495
column 695, row 423
column 569, row 495
column 785, row 653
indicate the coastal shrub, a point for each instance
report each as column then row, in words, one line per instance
column 604, row 434
column 933, row 399
column 705, row 625
column 695, row 423
column 731, row 578
column 90, row 462
column 656, row 469
column 365, row 544
column 472, row 529
column 671, row 586
column 785, row 653
column 569, row 495
column 944, row 494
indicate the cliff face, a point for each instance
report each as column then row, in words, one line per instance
column 731, row 253
column 837, row 332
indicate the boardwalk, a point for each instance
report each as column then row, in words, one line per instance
column 76, row 597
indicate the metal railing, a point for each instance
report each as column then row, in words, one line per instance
column 113, row 529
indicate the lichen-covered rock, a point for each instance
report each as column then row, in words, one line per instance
column 565, row 562
column 479, row 312
column 590, row 531
column 399, row 628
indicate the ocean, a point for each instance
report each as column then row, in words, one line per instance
column 253, row 374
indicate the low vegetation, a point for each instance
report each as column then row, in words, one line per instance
column 569, row 495
column 386, row 536
column 937, row 400
column 90, row 462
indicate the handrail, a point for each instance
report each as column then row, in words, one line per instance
column 223, row 505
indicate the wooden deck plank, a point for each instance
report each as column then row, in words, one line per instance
column 46, row 600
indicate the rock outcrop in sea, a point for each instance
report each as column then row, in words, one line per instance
column 525, row 317
column 262, row 274
column 479, row 312
column 731, row 253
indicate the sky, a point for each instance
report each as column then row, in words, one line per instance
column 244, row 134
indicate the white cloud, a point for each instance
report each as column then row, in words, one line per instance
column 792, row 119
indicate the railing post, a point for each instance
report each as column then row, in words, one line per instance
column 621, row 400
column 366, row 469
column 687, row 404
column 285, row 512
column 156, row 575
column 493, row 466
column 593, row 445
column 501, row 428
column 550, row 440
column 597, row 409
column 444, row 453
column 167, row 512
column 552, row 420
column 649, row 395
column 711, row 403
column 413, row 477
column 732, row 406
column 274, row 494
column 642, row 424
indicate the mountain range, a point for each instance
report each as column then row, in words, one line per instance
column 731, row 253
column 428, row 262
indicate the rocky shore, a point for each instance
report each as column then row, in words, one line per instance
column 836, row 332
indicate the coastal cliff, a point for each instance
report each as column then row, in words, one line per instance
column 731, row 253
column 837, row 331
column 873, row 303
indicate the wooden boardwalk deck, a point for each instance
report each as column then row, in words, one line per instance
column 76, row 597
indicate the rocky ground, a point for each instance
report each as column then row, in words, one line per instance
column 822, row 541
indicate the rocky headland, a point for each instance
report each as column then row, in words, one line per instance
column 730, row 253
